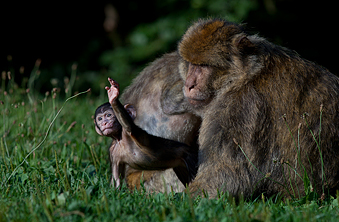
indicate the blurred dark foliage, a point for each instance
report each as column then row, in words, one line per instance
column 119, row 38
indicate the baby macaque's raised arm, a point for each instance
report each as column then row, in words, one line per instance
column 121, row 114
column 143, row 151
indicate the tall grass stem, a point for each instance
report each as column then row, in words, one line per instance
column 44, row 139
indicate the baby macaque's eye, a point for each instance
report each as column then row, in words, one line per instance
column 109, row 114
column 99, row 118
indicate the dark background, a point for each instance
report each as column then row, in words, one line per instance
column 64, row 33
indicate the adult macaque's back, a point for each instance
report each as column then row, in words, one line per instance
column 156, row 93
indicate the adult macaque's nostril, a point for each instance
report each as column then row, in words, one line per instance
column 190, row 83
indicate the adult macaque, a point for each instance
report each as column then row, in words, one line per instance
column 162, row 110
column 140, row 150
column 263, row 100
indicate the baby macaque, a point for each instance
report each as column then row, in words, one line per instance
column 106, row 124
column 134, row 147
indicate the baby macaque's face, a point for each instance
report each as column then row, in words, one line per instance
column 107, row 124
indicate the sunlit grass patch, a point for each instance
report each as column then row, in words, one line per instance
column 54, row 167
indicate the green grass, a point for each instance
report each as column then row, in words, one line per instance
column 54, row 167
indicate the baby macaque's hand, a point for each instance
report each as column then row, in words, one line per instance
column 112, row 92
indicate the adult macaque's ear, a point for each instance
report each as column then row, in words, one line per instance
column 131, row 110
column 172, row 99
column 245, row 45
column 98, row 130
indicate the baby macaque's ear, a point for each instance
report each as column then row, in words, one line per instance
column 131, row 110
column 98, row 130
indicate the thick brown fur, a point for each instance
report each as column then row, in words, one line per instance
column 262, row 93
column 156, row 93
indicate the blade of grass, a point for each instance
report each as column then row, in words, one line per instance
column 323, row 177
column 268, row 177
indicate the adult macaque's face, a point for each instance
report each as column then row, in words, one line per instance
column 197, row 88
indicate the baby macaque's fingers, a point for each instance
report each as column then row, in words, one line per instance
column 113, row 83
